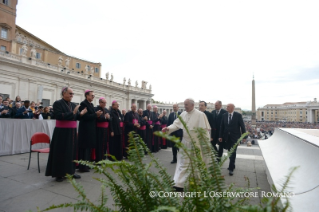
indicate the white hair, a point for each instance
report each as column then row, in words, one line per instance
column 191, row 100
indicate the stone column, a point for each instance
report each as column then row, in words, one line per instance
column 144, row 105
column 253, row 109
column 310, row 116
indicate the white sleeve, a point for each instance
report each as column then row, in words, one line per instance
column 175, row 126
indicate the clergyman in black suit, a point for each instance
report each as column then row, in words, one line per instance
column 87, row 129
column 217, row 120
column 231, row 128
column 209, row 115
column 179, row 133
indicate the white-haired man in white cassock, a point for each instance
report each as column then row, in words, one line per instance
column 193, row 119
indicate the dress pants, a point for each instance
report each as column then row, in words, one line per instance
column 232, row 159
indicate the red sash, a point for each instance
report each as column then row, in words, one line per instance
column 66, row 124
column 102, row 124
column 135, row 121
column 121, row 124
column 157, row 123
column 143, row 127
column 150, row 122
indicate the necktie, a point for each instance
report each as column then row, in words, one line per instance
column 217, row 112
column 229, row 119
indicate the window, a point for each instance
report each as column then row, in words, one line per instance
column 4, row 33
column 3, row 48
column 96, row 70
column 46, row 102
column 78, row 65
column 6, row 2
column 38, row 56
column 21, row 50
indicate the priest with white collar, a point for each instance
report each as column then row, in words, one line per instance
column 193, row 119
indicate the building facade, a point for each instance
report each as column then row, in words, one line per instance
column 290, row 112
column 37, row 71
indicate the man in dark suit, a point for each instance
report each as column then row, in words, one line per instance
column 203, row 107
column 15, row 109
column 179, row 133
column 217, row 120
column 87, row 129
column 25, row 112
column 5, row 111
column 116, row 123
column 148, row 116
column 231, row 128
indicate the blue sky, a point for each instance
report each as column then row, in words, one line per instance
column 207, row 50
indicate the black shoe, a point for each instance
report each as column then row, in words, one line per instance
column 173, row 161
column 76, row 176
column 231, row 173
column 59, row 179
column 178, row 189
column 234, row 167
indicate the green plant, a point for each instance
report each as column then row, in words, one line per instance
column 134, row 181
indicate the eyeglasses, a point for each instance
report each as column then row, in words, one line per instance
column 71, row 94
column 93, row 95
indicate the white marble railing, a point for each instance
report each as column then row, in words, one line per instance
column 39, row 63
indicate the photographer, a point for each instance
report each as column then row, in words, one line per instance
column 25, row 112
column 51, row 112
column 46, row 114
column 38, row 112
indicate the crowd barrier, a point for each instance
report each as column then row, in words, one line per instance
column 15, row 134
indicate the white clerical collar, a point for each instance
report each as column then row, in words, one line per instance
column 192, row 111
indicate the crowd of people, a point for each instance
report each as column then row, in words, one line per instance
column 268, row 128
column 24, row 109
column 102, row 132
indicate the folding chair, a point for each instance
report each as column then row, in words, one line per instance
column 36, row 139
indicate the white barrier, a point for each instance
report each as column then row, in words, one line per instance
column 288, row 148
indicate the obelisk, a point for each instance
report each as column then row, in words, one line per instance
column 253, row 104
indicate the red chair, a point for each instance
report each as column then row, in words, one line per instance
column 36, row 139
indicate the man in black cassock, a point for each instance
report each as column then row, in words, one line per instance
column 217, row 120
column 163, row 121
column 231, row 128
column 87, row 129
column 63, row 147
column 131, row 121
column 210, row 118
column 179, row 133
column 116, row 118
column 102, row 126
column 142, row 129
column 157, row 127
column 148, row 117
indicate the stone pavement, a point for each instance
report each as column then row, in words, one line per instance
column 23, row 189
